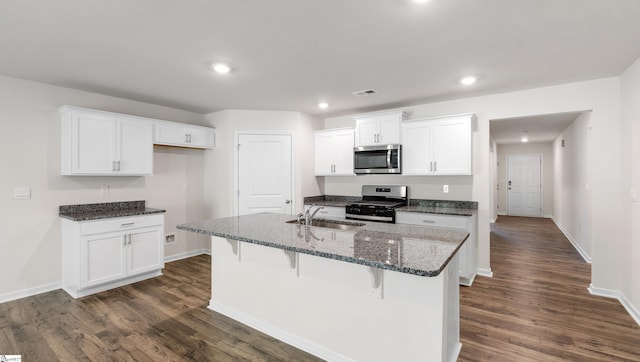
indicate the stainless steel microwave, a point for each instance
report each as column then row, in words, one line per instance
column 385, row 159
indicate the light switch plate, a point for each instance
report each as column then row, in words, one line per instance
column 22, row 193
column 445, row 189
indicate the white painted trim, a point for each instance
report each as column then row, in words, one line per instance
column 493, row 221
column 484, row 272
column 573, row 242
column 289, row 338
column 7, row 297
column 547, row 216
column 187, row 254
column 501, row 213
column 467, row 282
column 616, row 294
column 455, row 355
column 112, row 285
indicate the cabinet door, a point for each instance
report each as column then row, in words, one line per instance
column 343, row 153
column 323, row 156
column 93, row 143
column 171, row 134
column 389, row 130
column 452, row 147
column 367, row 132
column 201, row 138
column 416, row 148
column 102, row 258
column 135, row 146
column 145, row 250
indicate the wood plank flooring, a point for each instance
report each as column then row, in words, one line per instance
column 161, row 319
column 535, row 308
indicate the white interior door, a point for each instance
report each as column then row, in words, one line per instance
column 524, row 185
column 264, row 174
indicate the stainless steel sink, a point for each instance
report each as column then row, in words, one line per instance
column 332, row 224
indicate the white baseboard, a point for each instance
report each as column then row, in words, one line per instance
column 575, row 244
column 502, row 213
column 185, row 255
column 616, row 294
column 493, row 221
column 547, row 216
column 285, row 336
column 484, row 272
column 7, row 297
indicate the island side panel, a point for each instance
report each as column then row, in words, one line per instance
column 337, row 310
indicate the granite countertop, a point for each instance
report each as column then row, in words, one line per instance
column 443, row 207
column 419, row 250
column 107, row 210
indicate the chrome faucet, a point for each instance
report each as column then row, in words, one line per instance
column 308, row 215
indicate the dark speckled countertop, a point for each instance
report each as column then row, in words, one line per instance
column 443, row 207
column 418, row 250
column 107, row 210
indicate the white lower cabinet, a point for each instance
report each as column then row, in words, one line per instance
column 108, row 253
column 468, row 257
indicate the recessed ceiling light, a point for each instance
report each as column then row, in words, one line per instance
column 468, row 80
column 323, row 105
column 221, row 68
column 524, row 138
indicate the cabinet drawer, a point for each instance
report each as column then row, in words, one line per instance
column 121, row 223
column 446, row 221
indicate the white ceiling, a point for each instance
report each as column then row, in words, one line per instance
column 290, row 54
column 538, row 129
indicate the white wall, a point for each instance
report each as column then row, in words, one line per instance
column 546, row 150
column 219, row 168
column 630, row 260
column 30, row 243
column 572, row 202
column 603, row 97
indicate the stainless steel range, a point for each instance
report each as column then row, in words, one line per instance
column 378, row 203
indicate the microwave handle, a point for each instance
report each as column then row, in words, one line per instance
column 389, row 158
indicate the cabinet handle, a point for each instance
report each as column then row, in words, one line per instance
column 429, row 221
column 435, row 166
column 124, row 240
column 186, row 138
column 118, row 164
column 113, row 165
column 189, row 138
column 129, row 239
column 127, row 224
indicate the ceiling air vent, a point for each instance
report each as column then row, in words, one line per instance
column 364, row 93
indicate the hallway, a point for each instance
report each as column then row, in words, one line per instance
column 537, row 306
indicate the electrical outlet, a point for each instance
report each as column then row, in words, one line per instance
column 445, row 189
column 104, row 190
column 170, row 238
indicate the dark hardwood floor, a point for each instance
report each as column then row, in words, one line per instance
column 535, row 308
column 161, row 319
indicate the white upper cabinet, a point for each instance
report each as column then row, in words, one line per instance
column 97, row 143
column 379, row 128
column 334, row 152
column 183, row 135
column 437, row 146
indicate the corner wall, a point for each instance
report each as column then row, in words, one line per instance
column 630, row 185
column 572, row 201
column 30, row 243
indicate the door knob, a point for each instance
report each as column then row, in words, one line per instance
column 287, row 201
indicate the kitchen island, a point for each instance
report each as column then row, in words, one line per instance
column 376, row 292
